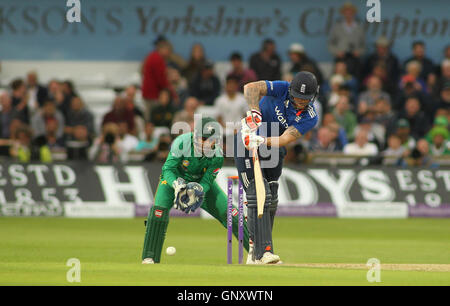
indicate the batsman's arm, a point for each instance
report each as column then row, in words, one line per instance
column 290, row 135
column 253, row 92
column 211, row 173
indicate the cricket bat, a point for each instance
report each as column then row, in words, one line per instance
column 259, row 183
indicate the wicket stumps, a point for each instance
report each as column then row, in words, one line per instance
column 233, row 211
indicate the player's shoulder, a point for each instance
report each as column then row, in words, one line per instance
column 310, row 111
column 182, row 141
column 277, row 84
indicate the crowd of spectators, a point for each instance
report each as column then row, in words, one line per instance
column 373, row 103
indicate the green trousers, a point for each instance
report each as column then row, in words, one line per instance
column 215, row 203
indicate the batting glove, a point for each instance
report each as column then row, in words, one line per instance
column 251, row 140
column 253, row 119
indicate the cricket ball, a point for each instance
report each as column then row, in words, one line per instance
column 171, row 251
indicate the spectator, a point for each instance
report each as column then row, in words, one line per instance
column 440, row 141
column 78, row 115
column 299, row 60
column 420, row 155
column 412, row 89
column 51, row 137
column 418, row 54
column 37, row 93
column 442, row 80
column 347, row 39
column 120, row 113
column 187, row 113
column 375, row 131
column 444, row 102
column 68, row 89
column 367, row 99
column 19, row 100
column 403, row 132
column 395, row 148
column 441, row 122
column 46, row 113
column 238, row 71
column 361, row 146
column 128, row 142
column 7, row 115
column 56, row 93
column 21, row 147
column 345, row 117
column 266, row 63
column 206, row 86
column 380, row 72
column 325, row 141
column 446, row 57
column 413, row 71
column 175, row 60
column 154, row 75
column 338, row 132
column 79, row 143
column 384, row 114
column 179, row 84
column 384, row 56
column 129, row 95
column 149, row 144
column 196, row 62
column 163, row 112
column 107, row 148
column 333, row 96
column 231, row 105
column 340, row 68
column 418, row 122
column 164, row 147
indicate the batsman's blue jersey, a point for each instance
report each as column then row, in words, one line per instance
column 276, row 111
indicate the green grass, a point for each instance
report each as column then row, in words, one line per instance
column 34, row 251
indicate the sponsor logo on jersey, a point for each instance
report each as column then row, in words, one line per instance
column 185, row 163
column 216, row 171
column 158, row 213
column 234, row 212
column 280, row 117
column 164, row 182
column 311, row 111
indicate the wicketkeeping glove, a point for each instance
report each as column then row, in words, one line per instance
column 191, row 198
column 179, row 185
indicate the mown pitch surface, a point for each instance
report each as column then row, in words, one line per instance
column 316, row 251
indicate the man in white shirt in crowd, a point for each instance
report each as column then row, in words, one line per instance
column 231, row 106
column 361, row 146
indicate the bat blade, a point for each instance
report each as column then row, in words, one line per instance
column 259, row 183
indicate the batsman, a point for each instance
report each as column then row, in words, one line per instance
column 280, row 113
column 188, row 182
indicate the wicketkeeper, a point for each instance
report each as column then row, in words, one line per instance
column 280, row 113
column 188, row 182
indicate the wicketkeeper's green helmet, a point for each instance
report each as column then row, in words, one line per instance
column 207, row 131
column 207, row 128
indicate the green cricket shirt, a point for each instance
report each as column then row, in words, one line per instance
column 183, row 162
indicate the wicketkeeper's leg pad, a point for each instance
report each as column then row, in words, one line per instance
column 156, row 228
